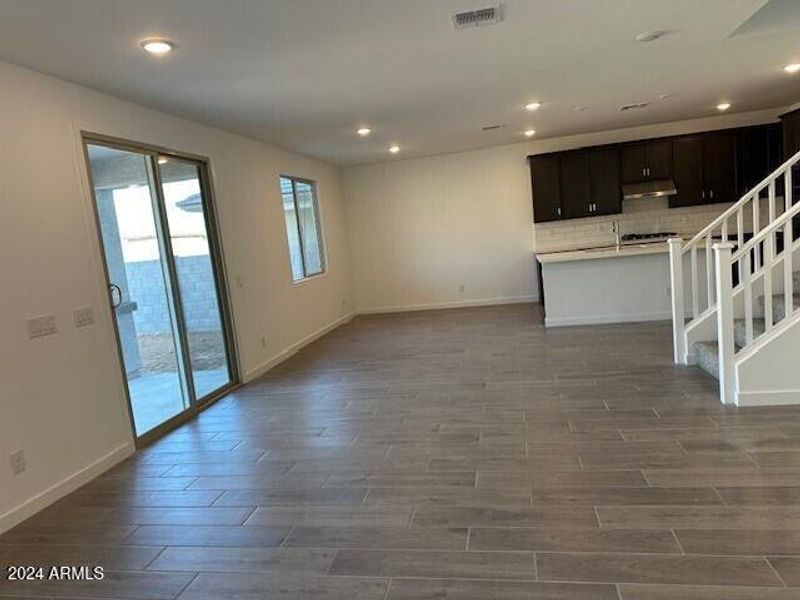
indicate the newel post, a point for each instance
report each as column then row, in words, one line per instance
column 722, row 254
column 676, row 287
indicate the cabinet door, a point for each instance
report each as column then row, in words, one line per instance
column 791, row 134
column 606, row 185
column 634, row 163
column 752, row 158
column 687, row 171
column 659, row 159
column 719, row 167
column 576, row 188
column 546, row 189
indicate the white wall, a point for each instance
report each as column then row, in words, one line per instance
column 421, row 228
column 61, row 398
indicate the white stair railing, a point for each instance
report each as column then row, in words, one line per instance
column 758, row 261
column 742, row 222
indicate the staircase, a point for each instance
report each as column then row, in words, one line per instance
column 708, row 352
column 736, row 294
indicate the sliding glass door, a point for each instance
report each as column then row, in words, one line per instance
column 164, row 278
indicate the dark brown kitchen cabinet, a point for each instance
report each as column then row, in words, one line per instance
column 546, row 188
column 791, row 133
column 604, row 164
column 704, row 169
column 647, row 161
column 719, row 167
column 576, row 185
column 759, row 152
column 590, row 183
column 687, row 171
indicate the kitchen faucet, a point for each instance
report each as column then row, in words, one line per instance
column 615, row 229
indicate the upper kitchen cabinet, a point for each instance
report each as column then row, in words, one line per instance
column 704, row 168
column 759, row 152
column 791, row 133
column 546, row 187
column 687, row 171
column 647, row 161
column 575, row 184
column 604, row 164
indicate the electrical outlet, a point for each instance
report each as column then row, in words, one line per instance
column 18, row 462
column 83, row 316
column 41, row 326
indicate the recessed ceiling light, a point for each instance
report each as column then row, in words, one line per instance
column 533, row 106
column 363, row 131
column 394, row 149
column 581, row 108
column 530, row 132
column 649, row 36
column 667, row 96
column 157, row 47
column 723, row 106
column 792, row 68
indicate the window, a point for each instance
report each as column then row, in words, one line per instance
column 302, row 227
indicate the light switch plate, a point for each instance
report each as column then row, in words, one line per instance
column 18, row 462
column 41, row 326
column 83, row 316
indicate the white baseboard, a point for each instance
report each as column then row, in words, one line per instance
column 259, row 370
column 607, row 319
column 69, row 484
column 768, row 398
column 379, row 310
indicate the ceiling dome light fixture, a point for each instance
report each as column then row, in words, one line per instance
column 363, row 131
column 531, row 106
column 792, row 68
column 162, row 160
column 157, row 46
column 394, row 148
column 723, row 106
column 530, row 132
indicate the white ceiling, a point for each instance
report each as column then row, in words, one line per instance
column 303, row 74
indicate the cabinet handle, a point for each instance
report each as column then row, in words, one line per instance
column 711, row 194
column 644, row 171
column 558, row 211
column 703, row 195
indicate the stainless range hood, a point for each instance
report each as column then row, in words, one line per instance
column 649, row 189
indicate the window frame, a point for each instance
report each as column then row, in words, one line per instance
column 323, row 259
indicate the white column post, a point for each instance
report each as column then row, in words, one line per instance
column 722, row 253
column 678, row 307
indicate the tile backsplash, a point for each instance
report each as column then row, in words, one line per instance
column 645, row 215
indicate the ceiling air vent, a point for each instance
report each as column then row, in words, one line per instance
column 636, row 106
column 478, row 18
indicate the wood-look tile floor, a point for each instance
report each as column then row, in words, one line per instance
column 467, row 454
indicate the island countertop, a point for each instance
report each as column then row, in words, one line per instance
column 602, row 252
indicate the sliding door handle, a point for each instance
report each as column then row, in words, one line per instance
column 116, row 295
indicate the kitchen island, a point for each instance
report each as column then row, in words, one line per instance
column 609, row 284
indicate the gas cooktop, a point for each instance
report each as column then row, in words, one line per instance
column 648, row 237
